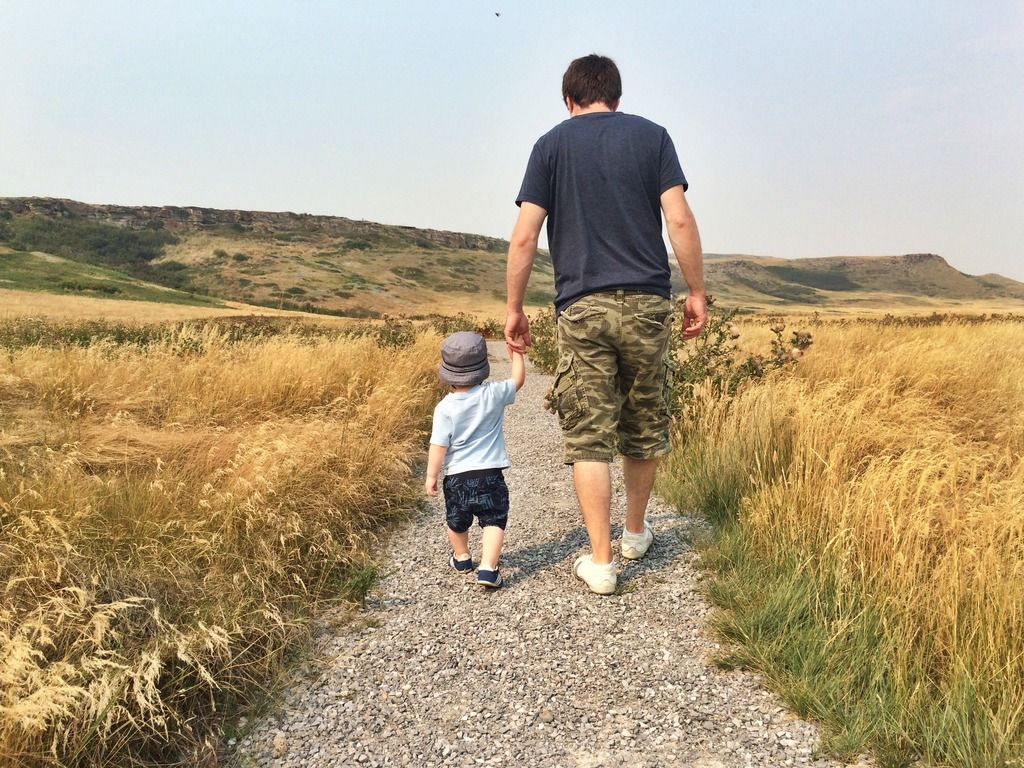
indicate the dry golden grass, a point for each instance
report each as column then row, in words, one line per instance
column 888, row 471
column 14, row 303
column 172, row 515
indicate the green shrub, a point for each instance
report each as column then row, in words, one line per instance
column 410, row 273
column 89, row 286
column 131, row 251
column 446, row 325
column 714, row 358
column 544, row 349
column 20, row 332
column 90, row 241
column 391, row 333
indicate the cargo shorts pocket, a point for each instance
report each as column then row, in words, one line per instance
column 669, row 386
column 568, row 396
column 655, row 321
column 576, row 313
column 581, row 322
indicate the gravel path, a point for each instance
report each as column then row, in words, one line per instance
column 540, row 672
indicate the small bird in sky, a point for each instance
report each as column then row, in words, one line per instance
column 497, row 13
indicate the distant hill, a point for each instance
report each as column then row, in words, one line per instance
column 908, row 281
column 316, row 263
column 335, row 265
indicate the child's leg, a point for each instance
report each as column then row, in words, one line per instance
column 492, row 539
column 457, row 517
column 460, row 543
column 493, row 520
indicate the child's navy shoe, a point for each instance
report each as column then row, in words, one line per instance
column 462, row 566
column 491, row 579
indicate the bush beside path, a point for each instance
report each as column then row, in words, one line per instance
column 541, row 672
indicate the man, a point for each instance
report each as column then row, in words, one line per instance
column 603, row 179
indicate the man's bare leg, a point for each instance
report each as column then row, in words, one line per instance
column 638, row 475
column 594, row 492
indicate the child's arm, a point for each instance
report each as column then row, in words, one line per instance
column 435, row 460
column 518, row 369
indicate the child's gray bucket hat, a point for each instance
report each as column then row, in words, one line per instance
column 464, row 360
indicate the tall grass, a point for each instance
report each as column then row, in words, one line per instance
column 869, row 544
column 171, row 514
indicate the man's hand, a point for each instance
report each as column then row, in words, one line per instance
column 517, row 331
column 695, row 315
column 430, row 486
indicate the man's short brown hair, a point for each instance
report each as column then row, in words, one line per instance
column 592, row 79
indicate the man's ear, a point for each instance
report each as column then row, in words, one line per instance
column 615, row 105
column 568, row 103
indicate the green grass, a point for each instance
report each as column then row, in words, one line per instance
column 785, row 291
column 293, row 237
column 353, row 280
column 824, row 646
column 826, row 281
column 29, row 272
column 826, row 656
column 825, row 649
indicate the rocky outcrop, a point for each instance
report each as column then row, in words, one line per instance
column 191, row 218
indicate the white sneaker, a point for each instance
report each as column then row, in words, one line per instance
column 600, row 578
column 635, row 545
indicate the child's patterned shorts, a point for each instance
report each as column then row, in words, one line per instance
column 479, row 493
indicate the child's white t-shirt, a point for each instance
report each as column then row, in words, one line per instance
column 468, row 424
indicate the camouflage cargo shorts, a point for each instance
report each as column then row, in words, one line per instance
column 612, row 386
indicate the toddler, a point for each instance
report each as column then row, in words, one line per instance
column 466, row 439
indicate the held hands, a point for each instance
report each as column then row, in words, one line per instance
column 517, row 332
column 513, row 351
column 695, row 315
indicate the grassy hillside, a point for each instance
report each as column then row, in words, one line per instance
column 392, row 272
column 334, row 265
column 322, row 264
column 35, row 271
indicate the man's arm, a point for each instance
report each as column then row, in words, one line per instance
column 685, row 240
column 435, row 460
column 522, row 249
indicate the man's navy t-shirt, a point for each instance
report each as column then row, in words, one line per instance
column 600, row 176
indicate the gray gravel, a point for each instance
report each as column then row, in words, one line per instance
column 439, row 672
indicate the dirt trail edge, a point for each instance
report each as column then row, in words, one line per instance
column 540, row 672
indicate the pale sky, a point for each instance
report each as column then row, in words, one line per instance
column 805, row 129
